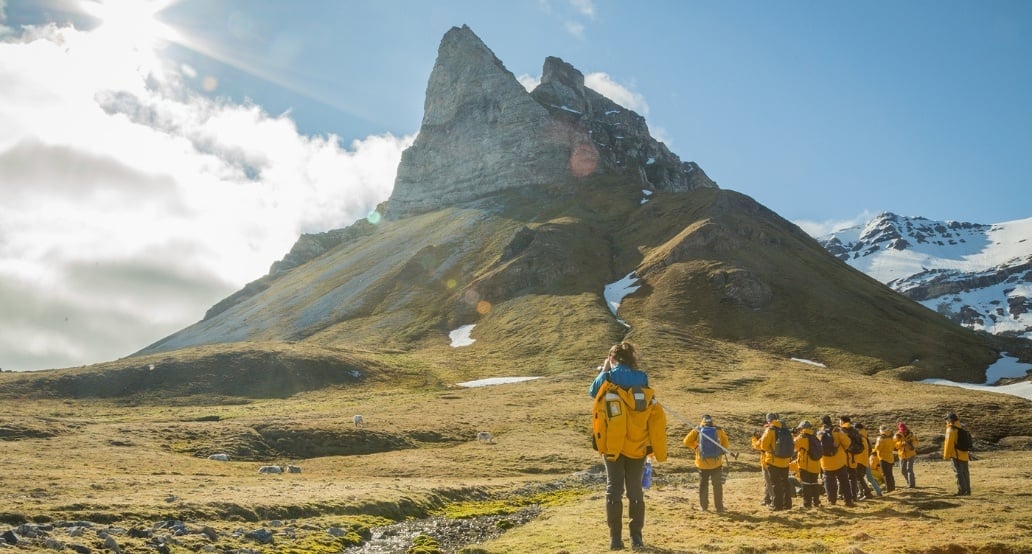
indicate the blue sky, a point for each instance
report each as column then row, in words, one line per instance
column 151, row 165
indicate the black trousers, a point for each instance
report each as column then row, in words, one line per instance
column 716, row 478
column 963, row 476
column 886, row 471
column 782, row 499
column 835, row 480
column 811, row 489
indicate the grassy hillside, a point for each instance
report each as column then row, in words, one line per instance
column 134, row 460
column 528, row 267
column 729, row 293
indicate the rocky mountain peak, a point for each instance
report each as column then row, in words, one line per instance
column 482, row 133
column 977, row 275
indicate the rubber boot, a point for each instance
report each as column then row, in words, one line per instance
column 614, row 516
column 637, row 515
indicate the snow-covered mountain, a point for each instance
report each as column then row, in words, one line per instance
column 979, row 276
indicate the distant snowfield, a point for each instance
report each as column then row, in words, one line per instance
column 616, row 291
column 495, row 381
column 1007, row 366
column 460, row 337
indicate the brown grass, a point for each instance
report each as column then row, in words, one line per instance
column 134, row 460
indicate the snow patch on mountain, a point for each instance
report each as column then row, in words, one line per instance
column 978, row 275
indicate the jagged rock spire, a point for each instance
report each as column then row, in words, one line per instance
column 482, row 132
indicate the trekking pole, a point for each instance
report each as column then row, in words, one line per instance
column 701, row 434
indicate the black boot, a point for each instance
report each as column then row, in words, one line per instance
column 614, row 515
column 637, row 515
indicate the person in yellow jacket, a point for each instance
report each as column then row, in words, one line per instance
column 959, row 457
column 833, row 461
column 863, row 464
column 809, row 468
column 706, row 440
column 885, row 450
column 755, row 438
column 628, row 425
column 906, row 448
column 876, row 470
column 777, row 465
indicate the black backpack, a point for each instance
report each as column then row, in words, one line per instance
column 963, row 440
column 784, row 444
column 856, row 445
column 827, row 439
column 708, row 448
column 814, row 449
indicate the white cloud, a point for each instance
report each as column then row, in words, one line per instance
column 130, row 205
column 585, row 7
column 605, row 85
column 575, row 28
column 529, row 82
column 819, row 229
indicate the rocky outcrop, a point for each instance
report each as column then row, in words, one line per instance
column 482, row 132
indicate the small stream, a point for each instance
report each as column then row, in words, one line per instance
column 450, row 534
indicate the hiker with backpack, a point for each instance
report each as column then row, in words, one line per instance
column 808, row 456
column 853, row 451
column 768, row 495
column 885, row 450
column 906, row 448
column 778, row 447
column 706, row 440
column 956, row 448
column 628, row 425
column 833, row 461
column 863, row 464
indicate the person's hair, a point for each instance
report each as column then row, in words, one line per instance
column 625, row 353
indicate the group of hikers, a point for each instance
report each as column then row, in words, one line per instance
column 629, row 430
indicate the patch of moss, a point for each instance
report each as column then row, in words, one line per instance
column 424, row 544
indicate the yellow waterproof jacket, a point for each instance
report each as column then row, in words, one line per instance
column 691, row 440
column 802, row 446
column 835, row 461
column 885, row 448
column 876, row 469
column 906, row 446
column 949, row 446
column 862, row 458
column 850, row 458
column 628, row 422
column 767, row 445
column 756, row 446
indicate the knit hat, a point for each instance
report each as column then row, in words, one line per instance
column 804, row 425
column 707, row 420
column 951, row 417
column 771, row 417
column 903, row 427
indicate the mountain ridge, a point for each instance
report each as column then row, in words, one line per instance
column 977, row 275
column 526, row 262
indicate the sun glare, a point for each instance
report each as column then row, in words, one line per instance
column 131, row 23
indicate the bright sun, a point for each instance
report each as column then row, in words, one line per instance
column 130, row 23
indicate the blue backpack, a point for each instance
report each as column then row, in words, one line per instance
column 708, row 444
